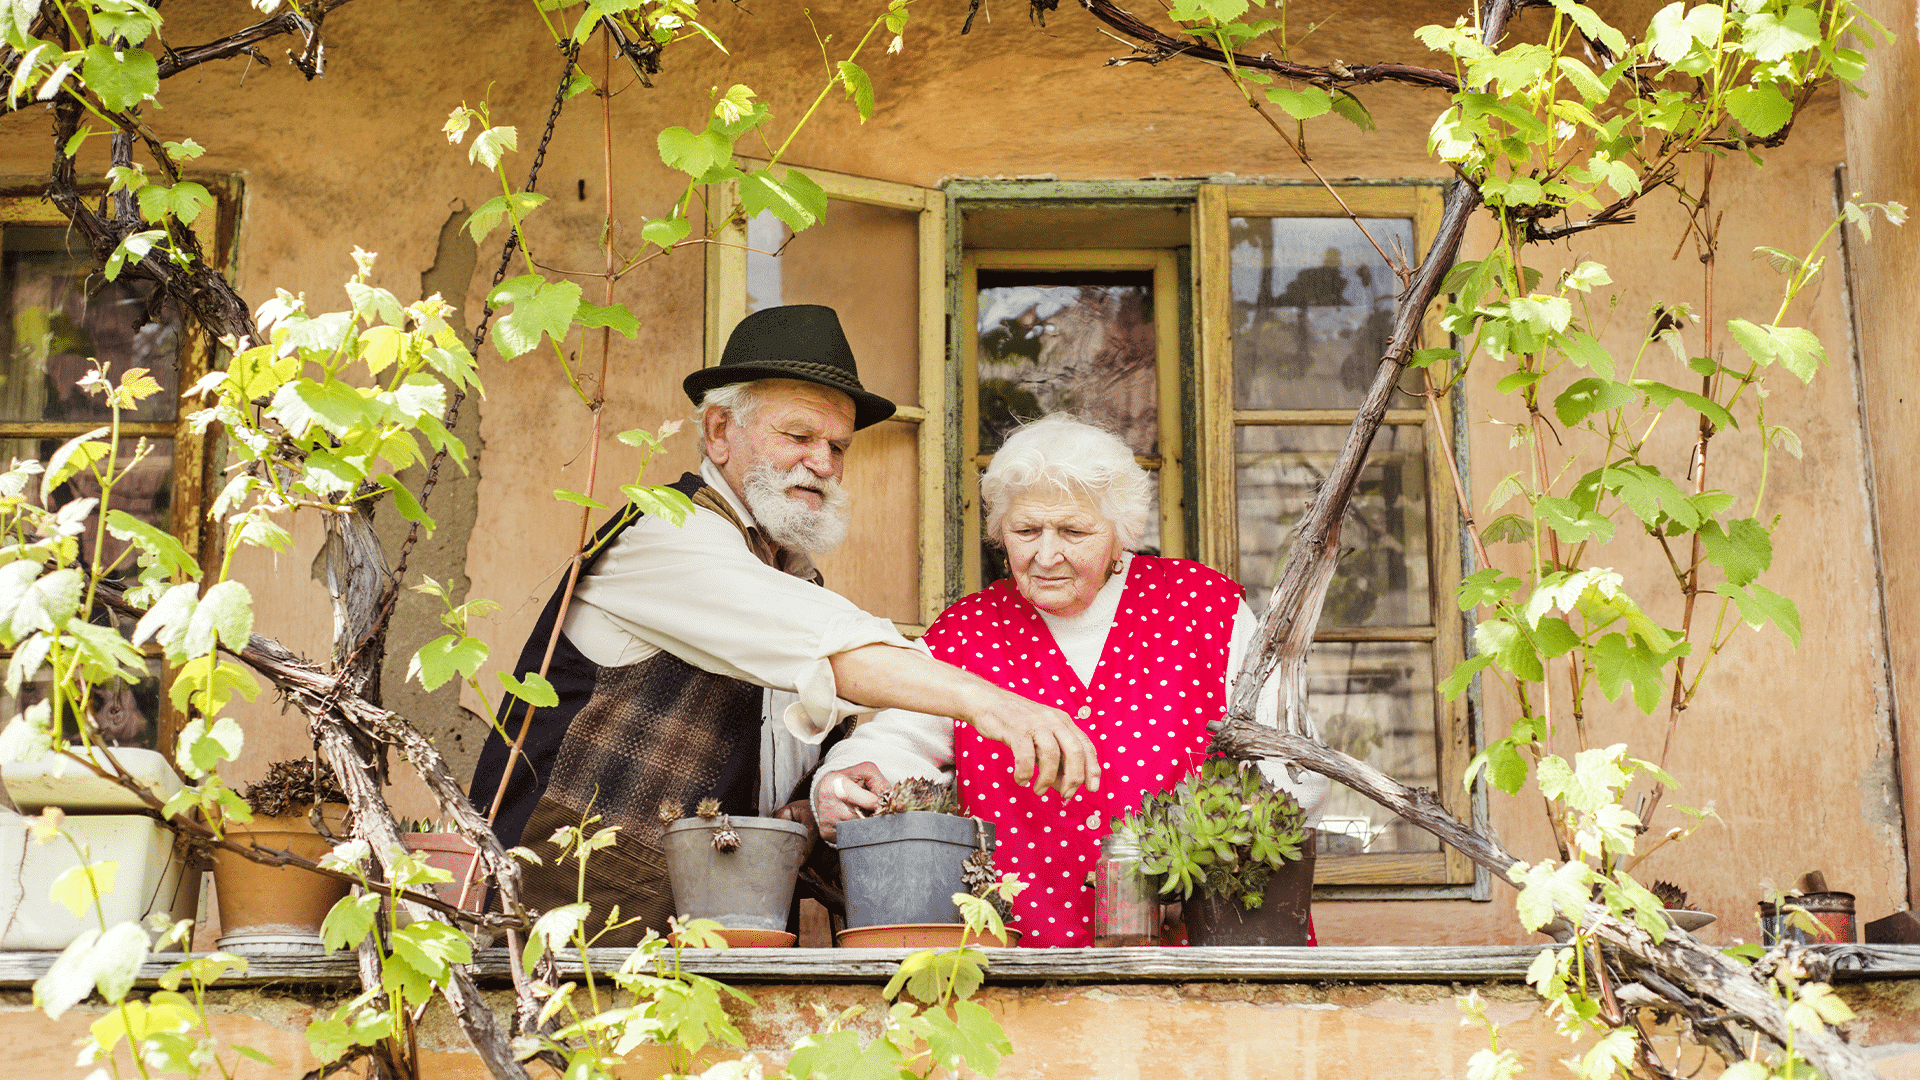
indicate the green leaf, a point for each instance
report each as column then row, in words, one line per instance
column 1770, row 38
column 492, row 144
column 540, row 307
column 1510, row 648
column 349, row 921
column 77, row 453
column 536, row 690
column 1547, row 890
column 445, row 656
column 431, row 947
column 1648, row 494
column 701, row 156
column 1489, row 587
column 16, row 23
column 972, row 1038
column 666, row 232
column 1760, row 605
column 613, row 316
column 48, row 603
column 1744, row 549
column 404, row 501
column 1517, row 380
column 1662, row 395
column 1582, row 78
column 1462, row 676
column 202, row 746
column 74, row 890
column 1350, row 107
column 1427, row 357
column 839, row 1055
column 120, row 79
column 207, row 683
column 494, row 210
column 1585, row 350
column 226, row 611
column 1592, row 25
column 578, row 499
column 553, row 931
column 1304, row 104
column 1762, row 109
column 1620, row 660
column 859, row 88
column 1591, row 395
column 1507, row 529
column 1797, row 349
column 796, row 200
column 332, row 406
column 157, row 548
column 1506, row 769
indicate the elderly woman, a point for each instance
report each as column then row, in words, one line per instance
column 1141, row 651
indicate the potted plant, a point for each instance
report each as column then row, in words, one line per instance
column 109, row 823
column 267, row 908
column 903, row 865
column 1235, row 850
column 738, row 872
column 445, row 849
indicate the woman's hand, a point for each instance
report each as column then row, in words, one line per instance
column 850, row 793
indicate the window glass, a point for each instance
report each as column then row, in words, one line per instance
column 1374, row 700
column 1382, row 576
column 1080, row 341
column 1312, row 309
column 61, row 313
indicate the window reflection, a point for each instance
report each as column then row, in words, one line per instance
column 1374, row 700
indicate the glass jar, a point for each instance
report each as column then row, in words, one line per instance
column 1126, row 907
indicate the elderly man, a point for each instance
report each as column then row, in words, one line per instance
column 705, row 660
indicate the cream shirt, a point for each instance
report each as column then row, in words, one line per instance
column 697, row 592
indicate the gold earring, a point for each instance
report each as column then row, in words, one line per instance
column 1114, row 569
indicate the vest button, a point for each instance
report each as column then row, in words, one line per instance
column 1093, row 820
column 1085, row 711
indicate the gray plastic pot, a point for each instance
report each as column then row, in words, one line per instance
column 905, row 868
column 749, row 888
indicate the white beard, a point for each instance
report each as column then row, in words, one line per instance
column 789, row 522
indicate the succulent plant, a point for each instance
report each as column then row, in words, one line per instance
column 1671, row 896
column 915, row 793
column 708, row 808
column 670, row 811
column 1222, row 832
column 725, row 839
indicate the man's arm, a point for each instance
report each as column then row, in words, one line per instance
column 1049, row 750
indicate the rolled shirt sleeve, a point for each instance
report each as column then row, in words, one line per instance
column 696, row 591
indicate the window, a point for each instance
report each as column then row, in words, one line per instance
column 878, row 259
column 1295, row 313
column 61, row 313
column 1228, row 332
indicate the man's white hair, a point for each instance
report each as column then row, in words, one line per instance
column 742, row 401
column 1063, row 454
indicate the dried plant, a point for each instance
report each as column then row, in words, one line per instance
column 293, row 786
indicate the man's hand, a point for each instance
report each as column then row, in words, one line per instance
column 850, row 793
column 1049, row 749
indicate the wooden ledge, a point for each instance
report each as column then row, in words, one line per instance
column 1339, row 963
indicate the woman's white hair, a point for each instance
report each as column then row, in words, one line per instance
column 1063, row 454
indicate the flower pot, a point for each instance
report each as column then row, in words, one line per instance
column 905, row 868
column 1281, row 918
column 453, row 853
column 152, row 878
column 265, row 909
column 749, row 888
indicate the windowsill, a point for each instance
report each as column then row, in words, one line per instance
column 1344, row 963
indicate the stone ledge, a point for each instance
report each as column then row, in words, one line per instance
column 1341, row 963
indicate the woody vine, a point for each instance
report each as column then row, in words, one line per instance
column 1552, row 132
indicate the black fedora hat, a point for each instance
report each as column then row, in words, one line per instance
column 799, row 341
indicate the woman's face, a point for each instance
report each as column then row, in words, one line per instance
column 1059, row 549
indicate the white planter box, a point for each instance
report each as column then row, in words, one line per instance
column 149, row 879
column 53, row 780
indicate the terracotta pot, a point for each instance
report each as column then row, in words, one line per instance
column 1281, row 919
column 454, row 854
column 272, row 906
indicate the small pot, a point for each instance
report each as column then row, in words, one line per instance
column 276, row 908
column 1281, row 918
column 453, row 853
column 749, row 888
column 905, row 868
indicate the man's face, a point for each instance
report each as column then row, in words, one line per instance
column 792, row 451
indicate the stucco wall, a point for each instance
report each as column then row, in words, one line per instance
column 1794, row 748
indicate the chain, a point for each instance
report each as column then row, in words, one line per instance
column 571, row 50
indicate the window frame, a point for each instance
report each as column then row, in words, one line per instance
column 196, row 462
column 1218, row 418
column 1171, row 462
column 726, row 305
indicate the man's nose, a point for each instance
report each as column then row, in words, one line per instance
column 820, row 461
